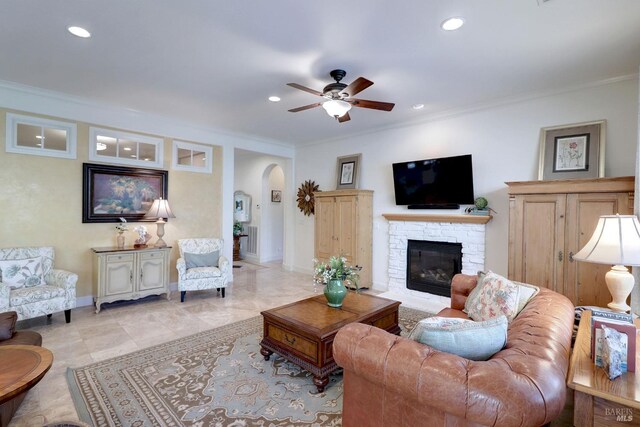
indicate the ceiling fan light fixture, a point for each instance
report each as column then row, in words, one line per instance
column 452, row 24
column 336, row 107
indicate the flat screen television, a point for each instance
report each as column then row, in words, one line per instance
column 443, row 183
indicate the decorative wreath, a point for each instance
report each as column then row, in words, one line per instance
column 306, row 201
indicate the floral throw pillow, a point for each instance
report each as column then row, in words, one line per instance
column 21, row 273
column 497, row 296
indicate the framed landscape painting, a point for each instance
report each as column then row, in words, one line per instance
column 572, row 151
column 112, row 192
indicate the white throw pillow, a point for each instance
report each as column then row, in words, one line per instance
column 21, row 273
column 466, row 338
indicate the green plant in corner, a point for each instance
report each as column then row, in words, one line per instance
column 237, row 228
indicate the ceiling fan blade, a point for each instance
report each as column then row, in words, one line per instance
column 306, row 107
column 304, row 88
column 376, row 105
column 344, row 118
column 356, row 86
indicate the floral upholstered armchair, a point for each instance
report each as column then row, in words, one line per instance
column 30, row 286
column 201, row 266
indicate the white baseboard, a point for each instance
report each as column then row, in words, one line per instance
column 84, row 301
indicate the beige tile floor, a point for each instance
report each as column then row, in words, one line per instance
column 121, row 328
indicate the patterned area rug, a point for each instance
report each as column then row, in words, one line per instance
column 215, row 378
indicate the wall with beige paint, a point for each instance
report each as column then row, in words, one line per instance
column 41, row 205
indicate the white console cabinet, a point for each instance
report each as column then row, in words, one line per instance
column 128, row 274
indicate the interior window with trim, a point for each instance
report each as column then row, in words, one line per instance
column 113, row 146
column 40, row 137
column 192, row 157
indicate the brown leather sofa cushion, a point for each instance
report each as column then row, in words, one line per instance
column 7, row 324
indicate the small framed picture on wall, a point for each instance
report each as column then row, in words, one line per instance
column 276, row 196
column 348, row 171
column 572, row 151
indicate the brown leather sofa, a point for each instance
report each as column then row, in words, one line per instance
column 392, row 381
column 9, row 336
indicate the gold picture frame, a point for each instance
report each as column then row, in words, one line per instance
column 572, row 151
column 348, row 171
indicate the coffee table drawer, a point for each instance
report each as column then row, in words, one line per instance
column 294, row 341
column 385, row 322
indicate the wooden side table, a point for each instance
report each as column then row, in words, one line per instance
column 598, row 401
column 236, row 246
column 23, row 366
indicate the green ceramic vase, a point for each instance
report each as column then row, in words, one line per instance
column 335, row 292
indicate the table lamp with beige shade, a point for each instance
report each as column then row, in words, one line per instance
column 615, row 241
column 160, row 210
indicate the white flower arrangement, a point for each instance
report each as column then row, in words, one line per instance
column 122, row 226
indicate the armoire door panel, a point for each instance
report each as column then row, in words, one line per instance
column 346, row 227
column 324, row 228
column 540, row 241
column 583, row 212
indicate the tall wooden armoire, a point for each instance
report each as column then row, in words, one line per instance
column 343, row 226
column 550, row 221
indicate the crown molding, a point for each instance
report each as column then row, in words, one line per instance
column 481, row 106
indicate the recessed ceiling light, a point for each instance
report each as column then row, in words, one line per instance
column 101, row 146
column 39, row 137
column 274, row 98
column 417, row 106
column 127, row 148
column 452, row 24
column 79, row 32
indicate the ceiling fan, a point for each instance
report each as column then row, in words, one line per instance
column 340, row 97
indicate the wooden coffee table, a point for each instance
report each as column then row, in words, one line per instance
column 22, row 367
column 303, row 332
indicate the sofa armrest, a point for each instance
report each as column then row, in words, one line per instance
column 62, row 278
column 7, row 324
column 5, row 292
column 516, row 390
column 224, row 266
column 461, row 287
column 181, row 266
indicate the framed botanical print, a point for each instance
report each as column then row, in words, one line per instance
column 348, row 171
column 572, row 151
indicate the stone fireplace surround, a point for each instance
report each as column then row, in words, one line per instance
column 469, row 230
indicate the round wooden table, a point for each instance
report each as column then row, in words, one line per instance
column 22, row 367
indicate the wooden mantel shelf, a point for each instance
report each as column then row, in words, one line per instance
column 463, row 219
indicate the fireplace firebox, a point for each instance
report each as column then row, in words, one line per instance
column 432, row 265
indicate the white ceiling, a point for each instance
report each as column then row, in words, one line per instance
column 214, row 63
